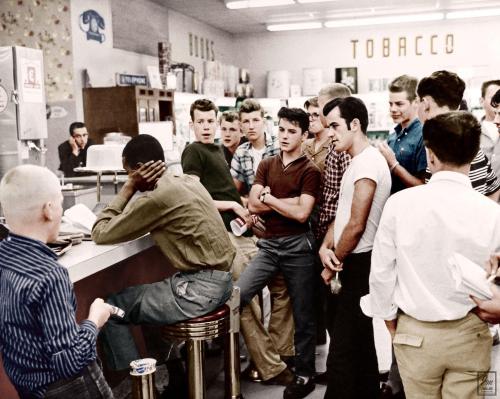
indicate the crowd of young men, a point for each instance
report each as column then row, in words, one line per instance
column 377, row 225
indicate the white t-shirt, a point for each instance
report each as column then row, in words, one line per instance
column 369, row 164
column 257, row 157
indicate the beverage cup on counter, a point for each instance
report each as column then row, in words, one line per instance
column 142, row 373
column 238, row 226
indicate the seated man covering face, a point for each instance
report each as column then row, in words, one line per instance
column 180, row 215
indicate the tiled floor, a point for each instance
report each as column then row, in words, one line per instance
column 252, row 390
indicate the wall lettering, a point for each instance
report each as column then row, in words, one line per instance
column 386, row 51
column 369, row 48
column 201, row 47
column 419, row 45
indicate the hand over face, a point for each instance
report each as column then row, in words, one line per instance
column 144, row 178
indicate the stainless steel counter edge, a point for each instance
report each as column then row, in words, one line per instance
column 88, row 258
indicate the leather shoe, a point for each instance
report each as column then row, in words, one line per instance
column 386, row 393
column 251, row 374
column 284, row 378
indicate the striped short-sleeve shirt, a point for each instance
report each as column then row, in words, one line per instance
column 40, row 339
column 481, row 175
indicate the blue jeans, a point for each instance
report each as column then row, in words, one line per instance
column 88, row 384
column 177, row 298
column 294, row 257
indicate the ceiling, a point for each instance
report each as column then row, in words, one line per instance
column 252, row 20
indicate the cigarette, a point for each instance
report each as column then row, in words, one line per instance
column 116, row 311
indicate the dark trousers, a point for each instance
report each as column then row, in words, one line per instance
column 292, row 256
column 352, row 361
column 89, row 384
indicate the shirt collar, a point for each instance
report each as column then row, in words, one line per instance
column 35, row 245
column 455, row 177
column 413, row 124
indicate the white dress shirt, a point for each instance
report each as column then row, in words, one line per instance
column 420, row 228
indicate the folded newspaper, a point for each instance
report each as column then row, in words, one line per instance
column 78, row 218
column 470, row 278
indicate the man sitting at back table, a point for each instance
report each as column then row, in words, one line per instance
column 73, row 152
column 180, row 215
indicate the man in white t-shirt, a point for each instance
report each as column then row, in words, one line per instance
column 346, row 250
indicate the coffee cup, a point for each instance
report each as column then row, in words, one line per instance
column 238, row 226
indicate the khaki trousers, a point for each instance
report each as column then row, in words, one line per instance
column 442, row 359
column 264, row 347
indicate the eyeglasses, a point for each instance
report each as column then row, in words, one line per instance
column 314, row 115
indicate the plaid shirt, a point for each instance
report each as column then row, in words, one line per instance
column 242, row 163
column 336, row 164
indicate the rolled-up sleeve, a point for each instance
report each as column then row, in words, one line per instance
column 380, row 302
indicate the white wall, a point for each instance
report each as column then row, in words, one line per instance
column 180, row 26
column 101, row 59
column 476, row 53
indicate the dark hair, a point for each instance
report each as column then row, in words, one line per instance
column 250, row 105
column 296, row 116
column 463, row 105
column 75, row 125
column 141, row 149
column 453, row 137
column 445, row 87
column 202, row 105
column 487, row 84
column 350, row 108
column 311, row 102
column 229, row 116
column 495, row 100
column 405, row 83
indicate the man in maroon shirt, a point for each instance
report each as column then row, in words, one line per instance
column 284, row 193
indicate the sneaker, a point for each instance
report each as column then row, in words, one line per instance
column 284, row 378
column 299, row 388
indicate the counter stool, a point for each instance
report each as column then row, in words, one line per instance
column 224, row 321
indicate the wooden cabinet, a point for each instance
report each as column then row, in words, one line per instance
column 122, row 108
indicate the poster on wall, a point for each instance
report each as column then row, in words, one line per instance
column 313, row 81
column 348, row 76
column 278, row 84
column 31, row 80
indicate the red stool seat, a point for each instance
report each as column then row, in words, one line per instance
column 218, row 313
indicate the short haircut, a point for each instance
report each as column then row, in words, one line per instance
column 405, row 83
column 495, row 100
column 445, row 87
column 26, row 188
column 311, row 102
column 335, row 90
column 202, row 105
column 229, row 116
column 250, row 105
column 296, row 116
column 75, row 125
column 350, row 108
column 453, row 136
column 141, row 149
column 488, row 83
